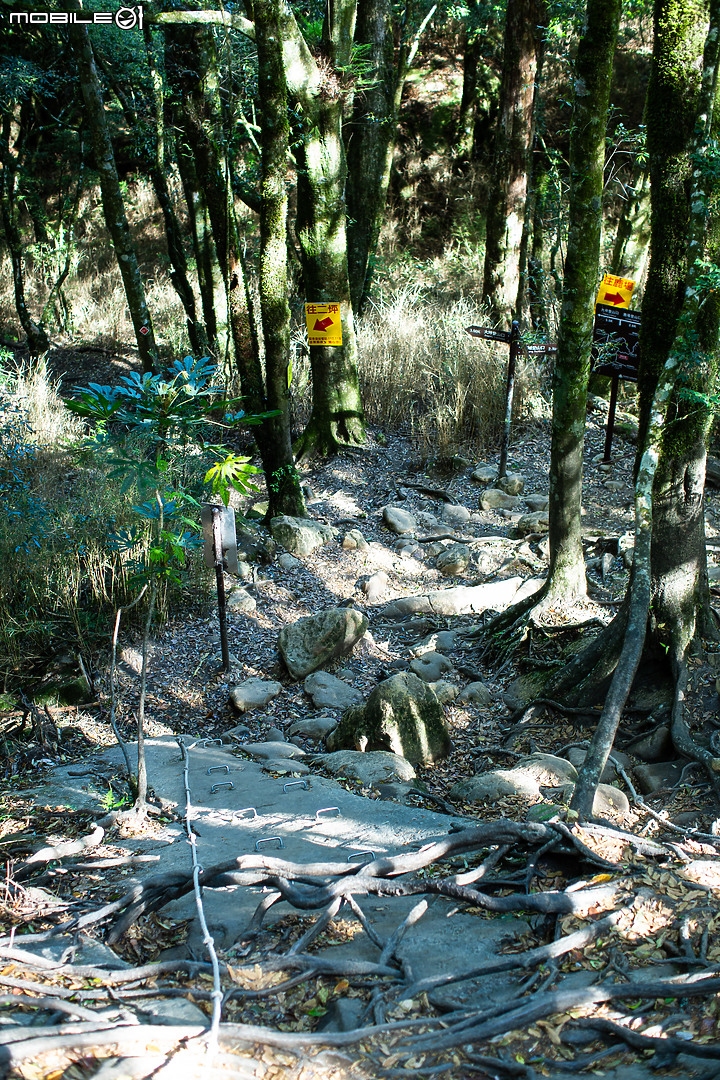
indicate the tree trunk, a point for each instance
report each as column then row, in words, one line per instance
column 593, row 71
column 372, row 136
column 36, row 337
column 668, row 585
column 513, row 142
column 158, row 178
column 113, row 206
column 370, row 144
column 336, row 419
column 284, row 492
column 201, row 233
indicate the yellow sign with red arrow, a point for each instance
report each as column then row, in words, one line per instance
column 615, row 291
column 323, row 324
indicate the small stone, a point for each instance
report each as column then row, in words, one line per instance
column 512, row 484
column 374, row 587
column 315, row 728
column 656, row 746
column 444, row 691
column 662, row 774
column 274, row 734
column 495, row 499
column 443, row 641
column 493, row 785
column 239, row 601
column 373, row 767
column 286, row 561
column 398, row 521
column 538, row 522
column 428, row 521
column 354, row 541
column 329, row 692
column 537, row 503
column 271, row 750
column 615, row 485
column 454, row 560
column 548, row 769
column 484, row 474
column 253, row 693
column 477, row 693
column 300, row 536
column 626, row 548
column 430, row 666
column 244, row 570
column 455, row 515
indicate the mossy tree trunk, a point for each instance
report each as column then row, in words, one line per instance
column 112, row 200
column 284, row 492
column 336, row 419
column 507, row 197
column 667, row 594
column 371, row 135
column 593, row 71
column 676, row 97
column 36, row 337
column 158, row 177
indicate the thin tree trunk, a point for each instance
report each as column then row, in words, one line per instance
column 201, row 233
column 36, row 337
column 158, row 178
column 513, row 143
column 284, row 492
column 113, row 206
column 593, row 73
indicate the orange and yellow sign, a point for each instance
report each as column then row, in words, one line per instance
column 615, row 291
column 323, row 324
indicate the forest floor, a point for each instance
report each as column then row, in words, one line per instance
column 661, row 850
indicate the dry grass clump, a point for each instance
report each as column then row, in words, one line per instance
column 56, row 572
column 420, row 371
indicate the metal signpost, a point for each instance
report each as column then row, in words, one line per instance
column 218, row 524
column 512, row 338
column 615, row 353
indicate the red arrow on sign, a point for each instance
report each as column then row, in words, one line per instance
column 613, row 298
column 322, row 324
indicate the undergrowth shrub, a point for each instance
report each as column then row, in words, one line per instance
column 421, row 373
column 56, row 573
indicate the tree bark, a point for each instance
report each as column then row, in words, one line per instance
column 513, row 143
column 284, row 492
column 593, row 71
column 113, row 206
column 336, row 419
column 36, row 337
column 669, row 560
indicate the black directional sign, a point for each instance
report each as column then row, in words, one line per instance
column 487, row 333
column 615, row 342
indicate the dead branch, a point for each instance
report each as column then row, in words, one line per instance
column 666, row 1045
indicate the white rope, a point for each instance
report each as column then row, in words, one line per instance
column 216, row 994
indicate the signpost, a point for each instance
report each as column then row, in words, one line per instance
column 615, row 291
column 512, row 338
column 220, row 551
column 615, row 352
column 323, row 324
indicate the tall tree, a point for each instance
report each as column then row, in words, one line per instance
column 507, row 198
column 667, row 599
column 112, row 199
column 284, row 492
column 371, row 133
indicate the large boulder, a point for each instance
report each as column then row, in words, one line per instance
column 310, row 643
column 300, row 536
column 402, row 715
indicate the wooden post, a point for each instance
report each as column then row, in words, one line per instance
column 219, row 574
column 514, row 349
column 611, row 418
